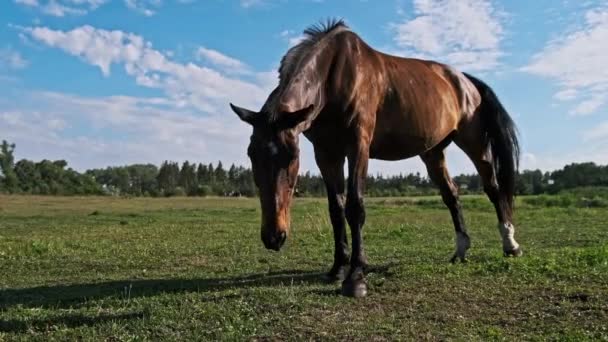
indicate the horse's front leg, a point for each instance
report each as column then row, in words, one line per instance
column 354, row 285
column 336, row 213
column 332, row 170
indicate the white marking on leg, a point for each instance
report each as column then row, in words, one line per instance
column 507, row 231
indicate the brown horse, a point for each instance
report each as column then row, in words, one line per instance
column 355, row 103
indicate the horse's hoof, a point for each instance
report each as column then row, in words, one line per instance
column 336, row 274
column 463, row 259
column 517, row 252
column 354, row 288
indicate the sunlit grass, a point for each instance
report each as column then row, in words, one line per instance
column 190, row 268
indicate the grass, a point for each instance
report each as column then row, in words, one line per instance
column 97, row 268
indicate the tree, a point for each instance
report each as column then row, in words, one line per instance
column 9, row 181
column 232, row 174
column 201, row 174
column 210, row 175
column 220, row 173
column 55, row 178
column 187, row 178
column 28, row 176
column 578, row 175
column 168, row 178
column 120, row 178
column 164, row 179
column 143, row 179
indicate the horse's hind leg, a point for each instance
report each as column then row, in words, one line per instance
column 479, row 154
column 504, row 211
column 438, row 172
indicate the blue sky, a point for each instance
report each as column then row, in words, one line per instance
column 113, row 82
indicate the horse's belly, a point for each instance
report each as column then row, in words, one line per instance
column 403, row 136
column 397, row 146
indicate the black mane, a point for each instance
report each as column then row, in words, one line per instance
column 312, row 35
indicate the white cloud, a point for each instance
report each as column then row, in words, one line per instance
column 262, row 3
column 219, row 59
column 189, row 84
column 293, row 41
column 98, row 47
column 118, row 130
column 62, row 8
column 590, row 105
column 566, row 94
column 291, row 37
column 577, row 61
column 90, row 3
column 11, row 59
column 191, row 120
column 553, row 160
column 599, row 132
column 27, row 2
column 143, row 6
column 464, row 33
column 59, row 10
column 528, row 161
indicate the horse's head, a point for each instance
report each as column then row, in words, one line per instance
column 275, row 161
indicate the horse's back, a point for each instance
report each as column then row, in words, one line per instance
column 407, row 106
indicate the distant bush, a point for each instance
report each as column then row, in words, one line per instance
column 549, row 201
column 179, row 191
column 204, row 190
column 176, row 192
column 588, row 192
column 587, row 197
column 595, row 202
column 430, row 203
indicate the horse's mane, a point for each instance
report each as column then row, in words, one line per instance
column 294, row 57
column 312, row 35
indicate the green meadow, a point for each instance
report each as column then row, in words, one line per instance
column 122, row 269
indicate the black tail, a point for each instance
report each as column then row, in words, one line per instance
column 501, row 133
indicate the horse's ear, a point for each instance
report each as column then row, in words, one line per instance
column 291, row 120
column 246, row 115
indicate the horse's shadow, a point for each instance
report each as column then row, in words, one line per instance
column 76, row 295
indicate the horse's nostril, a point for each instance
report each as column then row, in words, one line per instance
column 274, row 240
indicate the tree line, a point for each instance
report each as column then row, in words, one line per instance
column 191, row 179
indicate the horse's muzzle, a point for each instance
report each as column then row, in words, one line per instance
column 274, row 241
